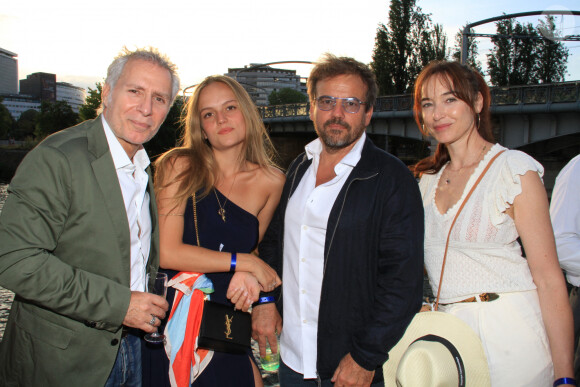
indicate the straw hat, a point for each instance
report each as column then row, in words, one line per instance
column 437, row 350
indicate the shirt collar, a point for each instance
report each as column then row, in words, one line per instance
column 120, row 157
column 314, row 148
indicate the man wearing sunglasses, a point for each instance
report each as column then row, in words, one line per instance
column 347, row 238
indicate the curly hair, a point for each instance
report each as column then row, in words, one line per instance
column 331, row 66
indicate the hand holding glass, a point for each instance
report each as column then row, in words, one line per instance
column 159, row 287
column 271, row 361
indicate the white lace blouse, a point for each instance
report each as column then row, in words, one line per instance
column 483, row 255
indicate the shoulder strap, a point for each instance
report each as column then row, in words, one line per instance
column 195, row 218
column 455, row 219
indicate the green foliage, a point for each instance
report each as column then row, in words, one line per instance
column 6, row 121
column 520, row 56
column 404, row 46
column 89, row 109
column 472, row 50
column 26, row 124
column 169, row 133
column 285, row 96
column 54, row 116
column 552, row 56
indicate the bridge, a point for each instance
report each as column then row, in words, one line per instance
column 522, row 116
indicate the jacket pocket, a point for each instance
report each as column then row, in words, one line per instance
column 42, row 329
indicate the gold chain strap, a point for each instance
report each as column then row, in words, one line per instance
column 195, row 219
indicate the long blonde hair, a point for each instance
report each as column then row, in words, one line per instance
column 202, row 171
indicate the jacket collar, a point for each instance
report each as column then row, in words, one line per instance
column 106, row 176
column 366, row 166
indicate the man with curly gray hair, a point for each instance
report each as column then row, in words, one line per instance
column 79, row 234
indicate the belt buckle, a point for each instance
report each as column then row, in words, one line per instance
column 488, row 297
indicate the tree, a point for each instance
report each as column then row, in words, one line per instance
column 6, row 121
column 89, row 109
column 54, row 116
column 403, row 47
column 522, row 56
column 552, row 55
column 472, row 50
column 512, row 59
column 286, row 95
column 26, row 124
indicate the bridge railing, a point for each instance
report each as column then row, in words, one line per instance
column 536, row 94
column 500, row 96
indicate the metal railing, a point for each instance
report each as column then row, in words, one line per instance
column 563, row 92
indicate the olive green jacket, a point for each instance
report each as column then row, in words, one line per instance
column 65, row 252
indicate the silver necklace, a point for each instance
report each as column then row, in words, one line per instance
column 448, row 180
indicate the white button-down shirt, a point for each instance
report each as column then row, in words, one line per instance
column 565, row 213
column 305, row 226
column 133, row 180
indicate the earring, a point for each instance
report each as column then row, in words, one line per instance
column 478, row 120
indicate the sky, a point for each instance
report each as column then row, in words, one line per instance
column 77, row 40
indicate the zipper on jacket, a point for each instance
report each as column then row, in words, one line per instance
column 339, row 215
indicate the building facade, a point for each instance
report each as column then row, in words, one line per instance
column 261, row 80
column 73, row 95
column 19, row 103
column 8, row 72
column 39, row 85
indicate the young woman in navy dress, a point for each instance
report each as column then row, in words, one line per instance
column 226, row 160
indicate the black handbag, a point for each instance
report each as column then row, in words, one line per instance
column 222, row 329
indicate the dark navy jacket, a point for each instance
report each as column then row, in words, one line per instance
column 373, row 260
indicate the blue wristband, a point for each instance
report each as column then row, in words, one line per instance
column 561, row 381
column 233, row 263
column 265, row 300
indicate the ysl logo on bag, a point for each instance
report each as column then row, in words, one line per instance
column 228, row 331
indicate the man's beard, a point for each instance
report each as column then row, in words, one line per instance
column 339, row 139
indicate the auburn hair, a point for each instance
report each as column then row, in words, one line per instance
column 465, row 84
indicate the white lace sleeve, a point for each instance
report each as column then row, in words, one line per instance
column 512, row 165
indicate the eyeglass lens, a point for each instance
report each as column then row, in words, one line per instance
column 350, row 105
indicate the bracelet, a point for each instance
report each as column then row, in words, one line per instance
column 233, row 263
column 265, row 300
column 561, row 381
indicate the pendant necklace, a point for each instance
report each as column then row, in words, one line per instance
column 448, row 180
column 222, row 211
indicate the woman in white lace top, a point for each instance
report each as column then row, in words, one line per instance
column 518, row 306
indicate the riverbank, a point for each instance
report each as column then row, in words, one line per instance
column 11, row 158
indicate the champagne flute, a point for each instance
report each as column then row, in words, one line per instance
column 158, row 287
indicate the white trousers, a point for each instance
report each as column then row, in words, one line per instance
column 513, row 336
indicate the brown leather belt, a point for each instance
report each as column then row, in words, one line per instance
column 483, row 297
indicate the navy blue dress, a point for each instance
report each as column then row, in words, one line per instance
column 239, row 233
